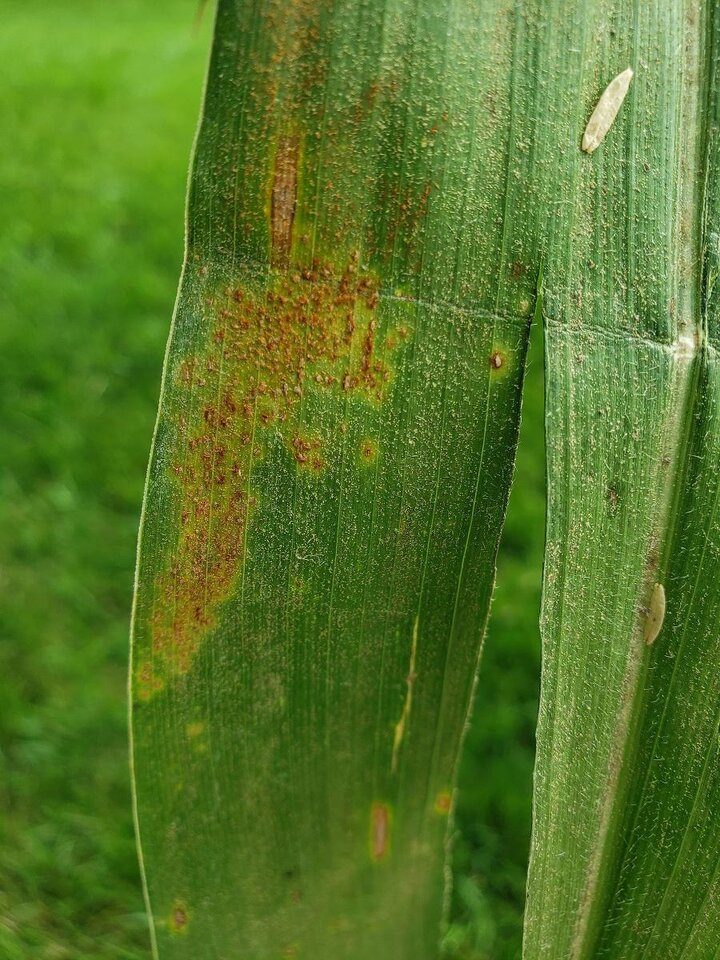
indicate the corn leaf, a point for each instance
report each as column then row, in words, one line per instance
column 330, row 472
column 626, row 832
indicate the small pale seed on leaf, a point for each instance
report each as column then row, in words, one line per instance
column 655, row 615
column 603, row 116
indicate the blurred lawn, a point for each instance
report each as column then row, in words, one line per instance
column 97, row 116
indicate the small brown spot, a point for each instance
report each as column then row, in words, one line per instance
column 497, row 360
column 443, row 803
column 379, row 831
column 306, row 452
column 613, row 500
column 517, row 270
column 179, row 918
column 368, row 450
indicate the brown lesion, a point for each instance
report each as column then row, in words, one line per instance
column 178, row 918
column 379, row 831
column 311, row 330
column 368, row 450
column 284, row 199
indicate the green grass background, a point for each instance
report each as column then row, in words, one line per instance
column 97, row 116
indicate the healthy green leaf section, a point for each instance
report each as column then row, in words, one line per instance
column 330, row 471
column 626, row 838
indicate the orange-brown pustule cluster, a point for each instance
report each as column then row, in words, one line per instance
column 308, row 331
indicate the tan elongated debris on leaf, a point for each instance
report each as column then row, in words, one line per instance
column 604, row 114
column 656, row 614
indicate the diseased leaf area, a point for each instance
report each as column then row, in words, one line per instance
column 330, row 473
column 625, row 846
column 310, row 331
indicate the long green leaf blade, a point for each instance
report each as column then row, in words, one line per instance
column 330, row 472
column 626, row 834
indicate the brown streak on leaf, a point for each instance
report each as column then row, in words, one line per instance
column 284, row 199
column 379, row 831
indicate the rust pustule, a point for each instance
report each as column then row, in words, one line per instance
column 284, row 199
column 368, row 450
column 400, row 726
column 497, row 360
